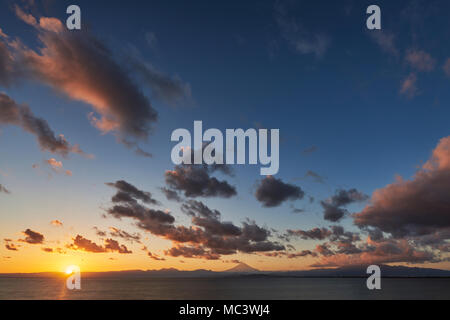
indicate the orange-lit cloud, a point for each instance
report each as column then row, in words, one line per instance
column 56, row 223
column 413, row 207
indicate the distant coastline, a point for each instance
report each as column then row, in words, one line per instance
column 347, row 272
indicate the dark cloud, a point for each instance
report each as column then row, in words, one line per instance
column 128, row 193
column 171, row 195
column 155, row 256
column 191, row 252
column 12, row 113
column 344, row 242
column 333, row 210
column 387, row 251
column 32, row 237
column 334, row 233
column 345, row 197
column 194, row 208
column 272, row 192
column 315, row 234
column 310, row 150
column 315, row 176
column 100, row 233
column 416, row 207
column 171, row 90
column 251, row 231
column 302, row 254
column 152, row 220
column 80, row 66
column 196, row 181
column 111, row 245
column 114, row 246
column 10, row 246
column 117, row 233
column 324, row 250
column 208, row 233
column 332, row 213
column 143, row 153
column 83, row 244
column 8, row 66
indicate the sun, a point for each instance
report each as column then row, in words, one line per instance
column 71, row 269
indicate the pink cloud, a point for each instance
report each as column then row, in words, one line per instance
column 420, row 60
column 409, row 86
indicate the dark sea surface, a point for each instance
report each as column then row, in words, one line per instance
column 239, row 288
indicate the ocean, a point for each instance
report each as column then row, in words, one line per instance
column 238, row 288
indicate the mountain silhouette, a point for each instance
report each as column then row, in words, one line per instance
column 243, row 268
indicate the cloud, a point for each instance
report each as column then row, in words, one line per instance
column 346, row 197
column 117, row 233
column 420, row 60
column 4, row 190
column 310, row 150
column 333, row 207
column 10, row 246
column 446, row 67
column 55, row 164
column 9, row 70
column 297, row 210
column 272, row 192
column 196, row 181
column 315, row 176
column 155, row 256
column 126, row 192
column 171, row 90
column 152, row 40
column 409, row 86
column 2, row 34
column 114, row 246
column 209, row 220
column 315, row 234
column 332, row 213
column 301, row 254
column 20, row 115
column 25, row 17
column 57, row 167
column 171, row 194
column 83, row 244
column 80, row 66
column 335, row 234
column 143, row 153
column 191, row 252
column 388, row 251
column 413, row 207
column 32, row 237
column 385, row 40
column 297, row 36
column 56, row 223
column 208, row 232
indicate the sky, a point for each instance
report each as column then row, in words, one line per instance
column 86, row 116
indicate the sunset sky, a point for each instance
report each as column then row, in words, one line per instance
column 86, row 117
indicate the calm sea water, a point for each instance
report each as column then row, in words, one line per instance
column 223, row 288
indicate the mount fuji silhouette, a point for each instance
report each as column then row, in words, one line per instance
column 242, row 268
